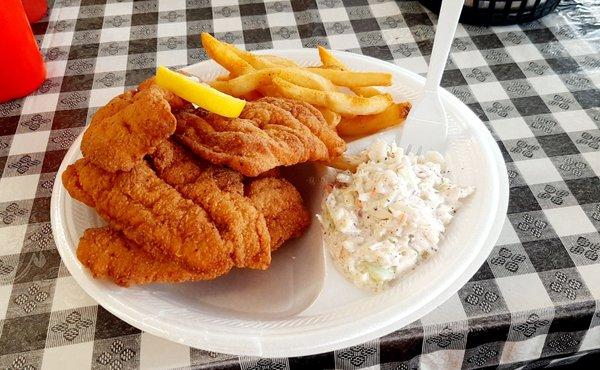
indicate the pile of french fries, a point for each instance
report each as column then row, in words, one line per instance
column 348, row 100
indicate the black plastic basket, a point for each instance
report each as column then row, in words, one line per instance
column 499, row 12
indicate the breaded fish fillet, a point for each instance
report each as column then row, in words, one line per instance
column 127, row 128
column 157, row 217
column 282, row 206
column 312, row 118
column 108, row 254
column 174, row 101
column 238, row 221
column 271, row 205
column 217, row 189
column 270, row 132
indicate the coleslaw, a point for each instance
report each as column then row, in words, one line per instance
column 382, row 220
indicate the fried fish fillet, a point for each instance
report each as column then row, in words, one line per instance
column 312, row 118
column 108, row 254
column 270, row 204
column 221, row 189
column 238, row 221
column 158, row 218
column 129, row 127
column 175, row 102
column 282, row 206
column 270, row 132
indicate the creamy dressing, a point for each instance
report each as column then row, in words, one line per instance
column 382, row 220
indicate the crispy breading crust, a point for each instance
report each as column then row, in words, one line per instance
column 265, row 136
column 238, row 221
column 174, row 101
column 276, row 199
column 127, row 128
column 312, row 118
column 281, row 204
column 153, row 215
column 191, row 220
column 108, row 254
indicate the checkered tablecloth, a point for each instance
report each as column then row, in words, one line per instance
column 536, row 87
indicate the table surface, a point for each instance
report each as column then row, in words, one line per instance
column 536, row 87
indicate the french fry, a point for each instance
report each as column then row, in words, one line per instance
column 330, row 61
column 258, row 61
column 330, row 116
column 363, row 125
column 226, row 77
column 244, row 84
column 369, row 92
column 280, row 61
column 296, row 75
column 335, row 68
column 304, row 78
column 252, row 76
column 336, row 101
column 255, row 61
column 292, row 74
column 344, row 162
column 269, row 90
column 354, row 79
column 222, row 54
column 263, row 61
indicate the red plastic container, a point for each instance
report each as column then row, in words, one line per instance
column 35, row 9
column 22, row 67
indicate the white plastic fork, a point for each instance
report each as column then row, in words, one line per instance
column 426, row 125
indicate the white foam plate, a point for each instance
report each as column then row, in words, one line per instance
column 302, row 305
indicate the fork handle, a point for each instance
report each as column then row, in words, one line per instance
column 444, row 34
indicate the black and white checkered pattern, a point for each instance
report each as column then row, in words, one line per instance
column 536, row 87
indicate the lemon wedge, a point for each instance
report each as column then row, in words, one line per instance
column 198, row 93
